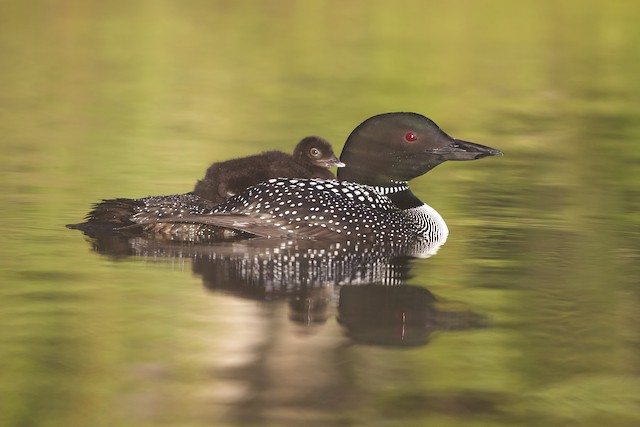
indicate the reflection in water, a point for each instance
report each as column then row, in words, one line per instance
column 403, row 315
column 375, row 306
column 267, row 372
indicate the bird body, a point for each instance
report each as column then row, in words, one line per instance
column 312, row 158
column 370, row 202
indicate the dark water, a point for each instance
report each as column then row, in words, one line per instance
column 528, row 315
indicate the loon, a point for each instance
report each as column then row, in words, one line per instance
column 312, row 158
column 369, row 202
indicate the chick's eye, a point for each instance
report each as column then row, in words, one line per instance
column 314, row 152
column 410, row 137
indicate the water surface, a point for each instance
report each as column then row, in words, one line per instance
column 527, row 315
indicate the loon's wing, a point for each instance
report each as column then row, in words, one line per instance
column 250, row 223
column 238, row 222
column 253, row 212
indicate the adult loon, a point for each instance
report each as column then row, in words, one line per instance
column 312, row 158
column 370, row 201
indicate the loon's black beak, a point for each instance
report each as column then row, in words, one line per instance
column 465, row 150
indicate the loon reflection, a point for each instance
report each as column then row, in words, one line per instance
column 366, row 283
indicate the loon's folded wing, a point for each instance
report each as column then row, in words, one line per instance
column 255, row 224
column 168, row 214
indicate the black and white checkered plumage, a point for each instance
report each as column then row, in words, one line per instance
column 295, row 208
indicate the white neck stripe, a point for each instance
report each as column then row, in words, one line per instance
column 392, row 190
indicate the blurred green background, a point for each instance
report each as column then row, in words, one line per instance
column 132, row 98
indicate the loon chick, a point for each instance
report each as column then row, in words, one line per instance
column 371, row 201
column 312, row 158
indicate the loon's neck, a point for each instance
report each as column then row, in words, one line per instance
column 400, row 195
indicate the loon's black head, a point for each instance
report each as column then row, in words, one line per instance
column 316, row 151
column 394, row 147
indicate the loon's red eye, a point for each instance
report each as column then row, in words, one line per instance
column 410, row 137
